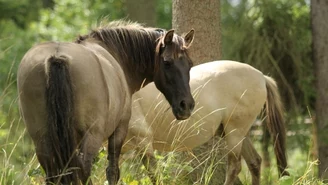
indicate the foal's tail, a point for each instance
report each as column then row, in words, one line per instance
column 274, row 109
column 60, row 108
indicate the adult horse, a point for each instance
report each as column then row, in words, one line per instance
column 73, row 96
column 227, row 93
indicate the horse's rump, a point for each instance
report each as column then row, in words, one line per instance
column 66, row 90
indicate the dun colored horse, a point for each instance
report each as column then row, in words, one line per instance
column 227, row 94
column 74, row 96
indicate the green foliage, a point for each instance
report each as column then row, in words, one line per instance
column 307, row 178
column 273, row 36
column 164, row 14
column 20, row 12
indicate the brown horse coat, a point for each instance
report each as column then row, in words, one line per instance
column 74, row 96
column 92, row 86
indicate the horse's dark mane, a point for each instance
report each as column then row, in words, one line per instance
column 128, row 42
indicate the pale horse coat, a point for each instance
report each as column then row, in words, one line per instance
column 225, row 92
column 217, row 101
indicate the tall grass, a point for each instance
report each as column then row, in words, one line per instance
column 19, row 165
column 169, row 170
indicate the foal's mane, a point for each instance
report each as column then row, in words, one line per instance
column 127, row 42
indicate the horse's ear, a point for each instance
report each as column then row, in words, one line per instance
column 189, row 37
column 168, row 38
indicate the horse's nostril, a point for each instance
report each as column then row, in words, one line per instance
column 183, row 104
column 192, row 106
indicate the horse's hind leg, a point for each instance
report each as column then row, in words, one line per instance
column 253, row 160
column 234, row 145
column 89, row 149
column 115, row 143
column 43, row 153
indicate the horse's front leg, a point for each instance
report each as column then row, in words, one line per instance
column 115, row 142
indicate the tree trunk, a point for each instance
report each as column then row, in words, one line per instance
column 319, row 18
column 204, row 17
column 48, row 4
column 142, row 11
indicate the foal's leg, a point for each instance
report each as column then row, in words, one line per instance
column 253, row 160
column 234, row 145
column 115, row 143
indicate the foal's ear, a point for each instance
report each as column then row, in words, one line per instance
column 189, row 37
column 168, row 38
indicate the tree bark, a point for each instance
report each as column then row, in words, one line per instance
column 204, row 17
column 48, row 4
column 319, row 18
column 142, row 11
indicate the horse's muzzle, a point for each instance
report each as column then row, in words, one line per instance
column 184, row 110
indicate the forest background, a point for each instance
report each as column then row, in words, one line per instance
column 273, row 36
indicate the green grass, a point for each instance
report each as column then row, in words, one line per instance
column 19, row 165
column 19, row 169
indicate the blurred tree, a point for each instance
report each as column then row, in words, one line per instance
column 143, row 11
column 20, row 12
column 267, row 35
column 111, row 10
column 275, row 37
column 48, row 4
column 204, row 17
column 319, row 16
column 164, row 14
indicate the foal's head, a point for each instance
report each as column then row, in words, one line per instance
column 172, row 72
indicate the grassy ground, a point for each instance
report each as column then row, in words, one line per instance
column 18, row 164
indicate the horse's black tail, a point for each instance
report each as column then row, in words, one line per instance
column 274, row 109
column 60, row 110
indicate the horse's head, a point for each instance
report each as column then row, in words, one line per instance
column 172, row 72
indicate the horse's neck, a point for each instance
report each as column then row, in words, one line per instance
column 136, row 59
column 137, row 80
column 136, row 77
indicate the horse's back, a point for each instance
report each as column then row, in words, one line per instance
column 32, row 82
column 94, row 90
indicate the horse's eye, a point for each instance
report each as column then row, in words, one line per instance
column 167, row 63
